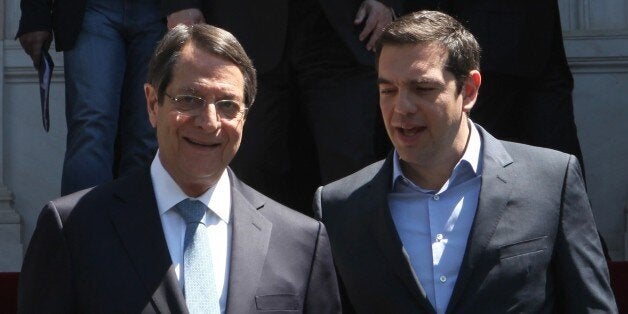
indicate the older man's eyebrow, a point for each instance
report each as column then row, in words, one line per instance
column 187, row 90
column 381, row 80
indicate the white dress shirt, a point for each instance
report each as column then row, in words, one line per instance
column 217, row 218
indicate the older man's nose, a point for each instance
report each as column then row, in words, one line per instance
column 208, row 118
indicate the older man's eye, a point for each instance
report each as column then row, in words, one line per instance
column 228, row 108
column 189, row 102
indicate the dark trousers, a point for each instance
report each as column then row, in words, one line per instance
column 315, row 116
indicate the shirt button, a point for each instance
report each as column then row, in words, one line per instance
column 436, row 197
column 443, row 278
column 439, row 237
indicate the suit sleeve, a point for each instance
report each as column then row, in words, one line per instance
column 36, row 16
column 322, row 293
column 45, row 279
column 171, row 6
column 582, row 277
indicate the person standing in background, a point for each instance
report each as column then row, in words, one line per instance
column 526, row 93
column 317, row 108
column 106, row 47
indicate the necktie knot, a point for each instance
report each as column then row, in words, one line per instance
column 191, row 211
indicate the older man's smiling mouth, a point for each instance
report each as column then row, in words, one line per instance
column 200, row 144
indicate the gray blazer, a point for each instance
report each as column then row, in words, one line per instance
column 103, row 251
column 533, row 246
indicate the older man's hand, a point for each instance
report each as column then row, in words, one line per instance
column 33, row 43
column 186, row 17
column 375, row 16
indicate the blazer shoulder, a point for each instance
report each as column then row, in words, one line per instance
column 65, row 204
column 538, row 164
column 278, row 214
column 524, row 157
column 540, row 156
column 350, row 197
column 91, row 202
column 344, row 187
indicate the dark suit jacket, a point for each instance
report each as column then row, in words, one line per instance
column 517, row 37
column 103, row 251
column 261, row 26
column 63, row 18
column 533, row 246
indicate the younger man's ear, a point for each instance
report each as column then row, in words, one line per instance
column 470, row 89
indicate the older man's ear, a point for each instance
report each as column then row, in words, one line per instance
column 152, row 103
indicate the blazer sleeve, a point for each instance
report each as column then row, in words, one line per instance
column 36, row 16
column 322, row 292
column 45, row 279
column 582, row 278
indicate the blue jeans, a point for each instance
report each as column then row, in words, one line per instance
column 108, row 128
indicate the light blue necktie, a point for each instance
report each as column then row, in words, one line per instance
column 198, row 273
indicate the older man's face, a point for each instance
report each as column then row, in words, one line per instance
column 195, row 150
column 424, row 113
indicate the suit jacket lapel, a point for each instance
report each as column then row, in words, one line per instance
column 249, row 245
column 137, row 222
column 497, row 180
column 385, row 233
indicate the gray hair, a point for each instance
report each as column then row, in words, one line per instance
column 208, row 38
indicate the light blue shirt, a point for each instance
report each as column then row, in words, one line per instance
column 434, row 225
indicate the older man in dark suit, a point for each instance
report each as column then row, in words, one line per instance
column 186, row 234
column 454, row 220
column 316, row 117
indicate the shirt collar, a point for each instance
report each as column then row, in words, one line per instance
column 470, row 157
column 474, row 149
column 168, row 193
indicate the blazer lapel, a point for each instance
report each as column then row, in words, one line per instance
column 137, row 222
column 497, row 180
column 249, row 245
column 385, row 233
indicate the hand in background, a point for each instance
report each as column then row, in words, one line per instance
column 33, row 42
column 377, row 16
column 186, row 17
